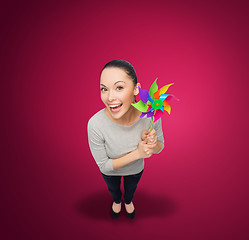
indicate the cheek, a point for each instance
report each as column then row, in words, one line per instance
column 103, row 98
column 128, row 98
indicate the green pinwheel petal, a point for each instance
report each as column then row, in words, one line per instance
column 142, row 107
column 153, row 89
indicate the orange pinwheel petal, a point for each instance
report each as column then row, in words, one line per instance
column 157, row 94
column 165, row 103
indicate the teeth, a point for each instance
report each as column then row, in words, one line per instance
column 112, row 106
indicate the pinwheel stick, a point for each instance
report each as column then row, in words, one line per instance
column 151, row 123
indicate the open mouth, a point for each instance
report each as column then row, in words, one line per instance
column 116, row 108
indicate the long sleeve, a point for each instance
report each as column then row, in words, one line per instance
column 97, row 147
column 159, row 132
column 109, row 140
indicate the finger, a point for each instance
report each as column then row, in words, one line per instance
column 153, row 131
column 147, row 152
column 145, row 132
column 152, row 145
column 152, row 139
column 152, row 135
column 151, row 142
column 150, row 153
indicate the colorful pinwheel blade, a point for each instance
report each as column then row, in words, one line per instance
column 167, row 108
column 140, row 106
column 172, row 97
column 150, row 99
column 153, row 89
column 165, row 88
column 143, row 95
column 157, row 94
column 163, row 96
column 157, row 115
column 165, row 103
column 143, row 115
column 147, row 114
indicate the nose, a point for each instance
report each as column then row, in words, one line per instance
column 111, row 96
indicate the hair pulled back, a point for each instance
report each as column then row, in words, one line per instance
column 126, row 66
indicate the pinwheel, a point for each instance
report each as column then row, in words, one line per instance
column 154, row 102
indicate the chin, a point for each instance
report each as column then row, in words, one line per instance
column 116, row 115
column 119, row 114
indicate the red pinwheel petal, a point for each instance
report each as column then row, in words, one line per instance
column 172, row 97
column 157, row 115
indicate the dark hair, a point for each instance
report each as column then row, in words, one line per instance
column 126, row 66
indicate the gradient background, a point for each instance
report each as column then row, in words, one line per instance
column 51, row 57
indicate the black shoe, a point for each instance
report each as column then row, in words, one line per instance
column 131, row 215
column 114, row 214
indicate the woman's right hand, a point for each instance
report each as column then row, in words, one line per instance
column 143, row 150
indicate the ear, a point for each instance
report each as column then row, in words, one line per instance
column 136, row 90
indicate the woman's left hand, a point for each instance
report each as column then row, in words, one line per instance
column 151, row 140
column 151, row 137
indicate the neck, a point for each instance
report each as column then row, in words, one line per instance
column 129, row 118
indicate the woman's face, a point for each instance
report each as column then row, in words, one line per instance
column 117, row 91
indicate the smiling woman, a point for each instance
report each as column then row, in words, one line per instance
column 114, row 107
column 117, row 93
column 118, row 139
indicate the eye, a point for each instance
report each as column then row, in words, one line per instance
column 103, row 89
column 119, row 88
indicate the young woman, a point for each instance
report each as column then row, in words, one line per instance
column 119, row 140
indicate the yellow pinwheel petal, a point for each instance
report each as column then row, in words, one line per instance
column 167, row 108
column 165, row 88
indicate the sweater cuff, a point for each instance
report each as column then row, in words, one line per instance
column 108, row 165
column 161, row 148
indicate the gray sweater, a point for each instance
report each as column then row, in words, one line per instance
column 109, row 140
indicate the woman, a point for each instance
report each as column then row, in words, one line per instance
column 119, row 140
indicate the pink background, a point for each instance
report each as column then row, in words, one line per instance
column 51, row 57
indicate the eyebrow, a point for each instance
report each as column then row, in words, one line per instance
column 114, row 83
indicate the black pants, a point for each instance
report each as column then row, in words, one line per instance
column 130, row 186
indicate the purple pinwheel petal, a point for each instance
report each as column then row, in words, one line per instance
column 143, row 115
column 171, row 97
column 150, row 114
column 147, row 114
column 143, row 95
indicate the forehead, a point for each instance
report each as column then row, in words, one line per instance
column 112, row 75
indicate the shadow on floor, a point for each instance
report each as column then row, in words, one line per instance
column 98, row 205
